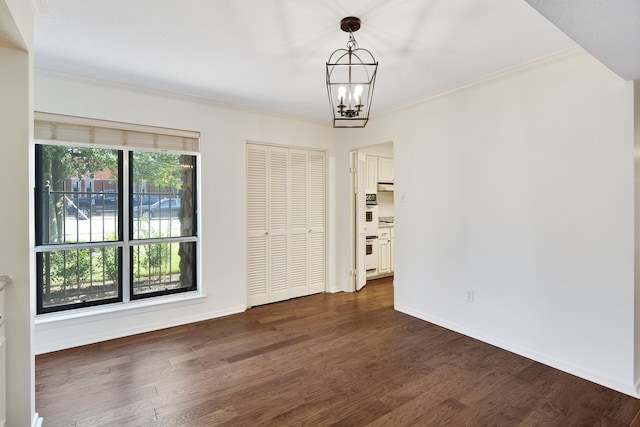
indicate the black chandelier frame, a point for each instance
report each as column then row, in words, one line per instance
column 351, row 75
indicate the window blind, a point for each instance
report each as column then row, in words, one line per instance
column 56, row 127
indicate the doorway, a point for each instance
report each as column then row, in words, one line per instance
column 372, row 214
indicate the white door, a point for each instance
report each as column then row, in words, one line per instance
column 267, row 224
column 317, row 220
column 360, row 219
column 257, row 231
column 371, row 184
column 286, row 254
column 299, row 223
column 308, row 255
column 278, row 220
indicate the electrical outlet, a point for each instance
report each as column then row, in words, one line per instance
column 469, row 295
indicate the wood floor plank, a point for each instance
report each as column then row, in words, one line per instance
column 344, row 359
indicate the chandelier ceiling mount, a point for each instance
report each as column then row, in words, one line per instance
column 350, row 24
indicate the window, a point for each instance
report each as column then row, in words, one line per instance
column 113, row 224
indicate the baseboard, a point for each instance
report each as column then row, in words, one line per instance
column 36, row 420
column 109, row 334
column 562, row 365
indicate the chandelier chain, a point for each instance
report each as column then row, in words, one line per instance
column 352, row 44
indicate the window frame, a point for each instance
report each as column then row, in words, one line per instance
column 133, row 242
column 125, row 242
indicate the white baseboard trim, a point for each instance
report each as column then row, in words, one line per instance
column 627, row 388
column 36, row 420
column 109, row 334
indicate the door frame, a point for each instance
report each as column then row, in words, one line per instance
column 353, row 190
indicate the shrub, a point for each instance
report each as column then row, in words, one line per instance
column 72, row 266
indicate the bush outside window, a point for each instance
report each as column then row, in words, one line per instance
column 113, row 225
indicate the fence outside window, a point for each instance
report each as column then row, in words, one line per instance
column 113, row 224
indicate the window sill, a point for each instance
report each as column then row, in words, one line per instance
column 133, row 307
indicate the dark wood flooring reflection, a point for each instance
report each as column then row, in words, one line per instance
column 343, row 359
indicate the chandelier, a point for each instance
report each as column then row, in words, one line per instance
column 351, row 74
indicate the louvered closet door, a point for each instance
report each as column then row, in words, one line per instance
column 299, row 222
column 257, row 234
column 286, row 214
column 317, row 219
column 278, row 223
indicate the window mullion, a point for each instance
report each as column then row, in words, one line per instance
column 126, row 228
column 152, row 252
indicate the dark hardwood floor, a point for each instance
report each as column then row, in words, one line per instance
column 330, row 359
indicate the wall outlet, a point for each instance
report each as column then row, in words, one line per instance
column 469, row 295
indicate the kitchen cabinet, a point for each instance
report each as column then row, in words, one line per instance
column 372, row 175
column 286, row 214
column 379, row 169
column 385, row 169
column 384, row 250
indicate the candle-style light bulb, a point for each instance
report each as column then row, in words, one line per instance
column 342, row 91
column 357, row 93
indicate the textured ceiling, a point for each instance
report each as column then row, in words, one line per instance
column 270, row 54
column 609, row 30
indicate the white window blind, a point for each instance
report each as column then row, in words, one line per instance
column 56, row 127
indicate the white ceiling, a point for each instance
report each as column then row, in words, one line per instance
column 271, row 54
column 609, row 30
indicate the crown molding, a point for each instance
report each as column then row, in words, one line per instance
column 520, row 68
column 177, row 96
column 559, row 56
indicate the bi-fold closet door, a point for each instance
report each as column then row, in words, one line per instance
column 286, row 214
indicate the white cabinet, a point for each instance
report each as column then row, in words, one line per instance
column 379, row 169
column 372, row 175
column 384, row 251
column 385, row 169
column 285, row 223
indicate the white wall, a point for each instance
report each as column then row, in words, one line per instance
column 224, row 132
column 521, row 188
column 385, row 203
column 16, row 40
